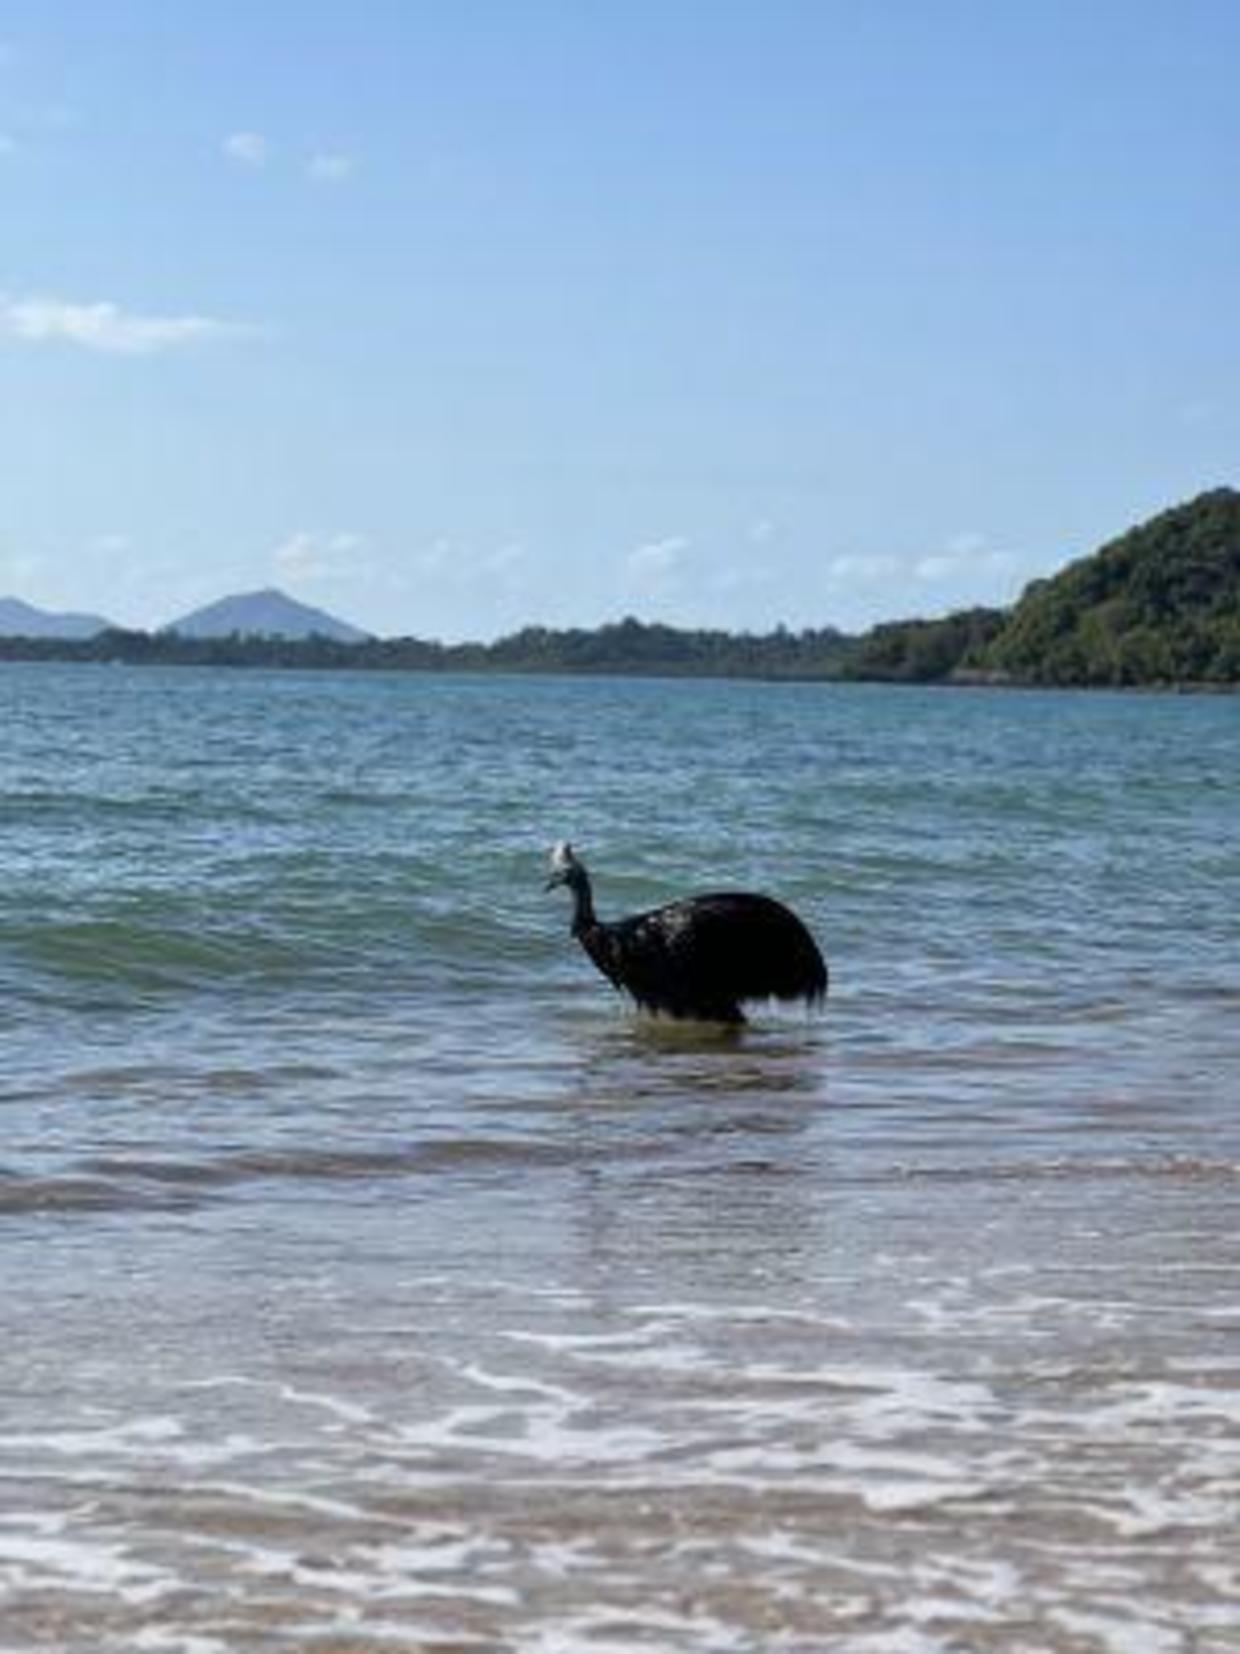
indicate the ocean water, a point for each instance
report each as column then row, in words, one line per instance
column 373, row 1279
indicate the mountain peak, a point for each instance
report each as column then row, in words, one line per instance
column 268, row 612
column 19, row 619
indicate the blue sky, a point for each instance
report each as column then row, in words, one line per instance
column 450, row 318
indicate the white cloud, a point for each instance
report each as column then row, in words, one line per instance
column 320, row 556
column 23, row 569
column 937, row 567
column 504, row 560
column 740, row 577
column 109, row 544
column 248, row 149
column 657, row 557
column 864, row 569
column 434, row 559
column 870, row 586
column 456, row 564
column 968, row 543
column 967, row 558
column 299, row 554
column 329, row 167
column 103, row 326
column 8, row 145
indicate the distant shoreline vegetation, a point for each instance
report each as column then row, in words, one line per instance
column 1157, row 608
column 630, row 647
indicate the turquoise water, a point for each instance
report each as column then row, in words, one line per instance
column 374, row 1278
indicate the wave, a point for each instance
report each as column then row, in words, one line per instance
column 117, row 1182
column 162, row 950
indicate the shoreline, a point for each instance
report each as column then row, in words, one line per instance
column 237, row 656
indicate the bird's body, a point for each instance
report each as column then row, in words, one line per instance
column 699, row 957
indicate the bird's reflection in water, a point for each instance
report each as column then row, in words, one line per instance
column 702, row 1077
column 707, row 1165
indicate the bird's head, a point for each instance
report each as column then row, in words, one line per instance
column 564, row 865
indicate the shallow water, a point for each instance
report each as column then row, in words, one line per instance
column 374, row 1280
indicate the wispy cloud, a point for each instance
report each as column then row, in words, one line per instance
column 733, row 578
column 110, row 543
column 330, row 167
column 967, row 568
column 863, row 570
column 309, row 556
column 23, row 569
column 504, row 560
column 656, row 557
column 253, row 151
column 104, row 327
column 8, row 145
column 247, row 149
column 968, row 557
column 654, row 571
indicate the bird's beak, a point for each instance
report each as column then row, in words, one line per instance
column 556, row 878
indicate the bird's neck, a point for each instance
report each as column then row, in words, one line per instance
column 583, row 902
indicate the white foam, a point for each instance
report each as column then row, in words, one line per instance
column 905, row 1639
column 1220, row 1576
column 350, row 1412
column 746, row 1314
column 153, row 1440
column 635, row 1631
column 1161, row 1403
column 285, row 1499
column 1148, row 1511
column 570, row 1343
column 538, row 1433
column 885, row 1482
column 520, row 1384
column 153, row 1639
column 1121, row 1633
column 79, row 1565
column 887, row 1401
column 105, row 1439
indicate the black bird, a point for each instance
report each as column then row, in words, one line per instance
column 699, row 957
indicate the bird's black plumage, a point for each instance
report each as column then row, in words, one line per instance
column 699, row 957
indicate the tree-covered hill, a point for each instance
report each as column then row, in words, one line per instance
column 1161, row 604
column 922, row 651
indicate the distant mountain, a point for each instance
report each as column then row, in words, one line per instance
column 268, row 613
column 18, row 619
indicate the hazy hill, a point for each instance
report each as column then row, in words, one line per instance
column 18, row 619
column 1161, row 604
column 267, row 613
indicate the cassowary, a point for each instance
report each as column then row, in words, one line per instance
column 699, row 957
